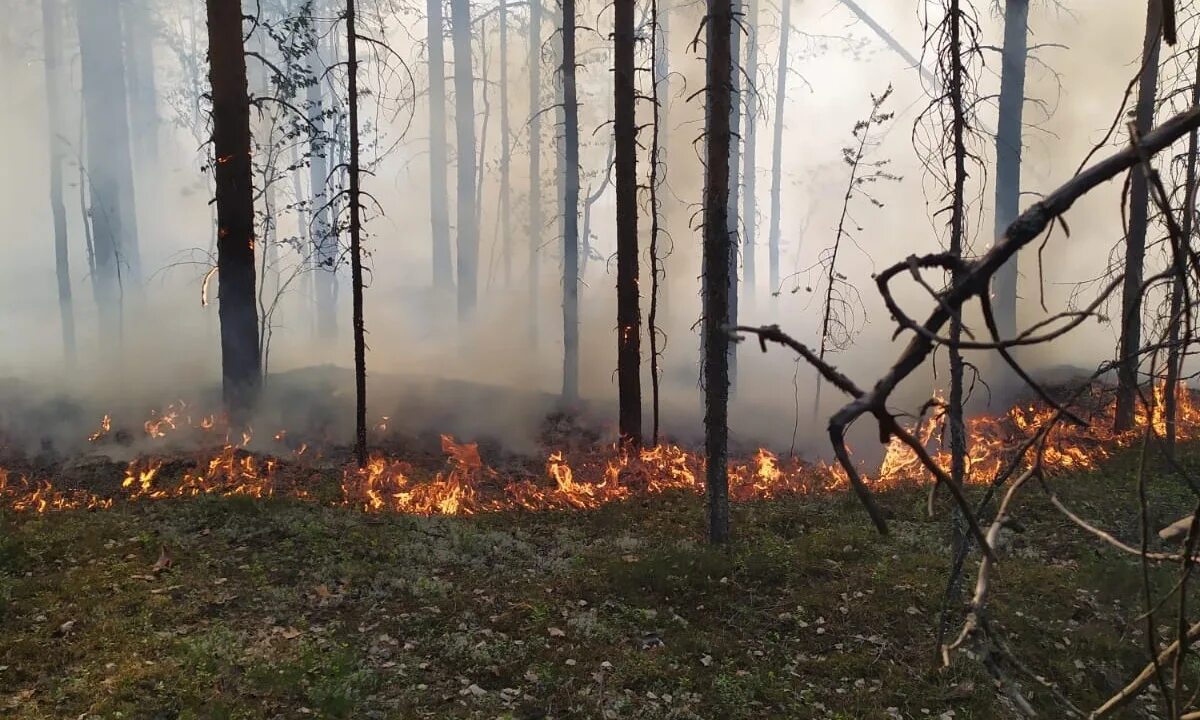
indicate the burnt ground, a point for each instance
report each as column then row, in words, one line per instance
column 284, row 609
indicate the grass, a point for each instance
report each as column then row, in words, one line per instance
column 283, row 609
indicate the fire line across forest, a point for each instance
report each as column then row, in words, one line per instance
column 571, row 480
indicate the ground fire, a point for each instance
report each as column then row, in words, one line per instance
column 578, row 479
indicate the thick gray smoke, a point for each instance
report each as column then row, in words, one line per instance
column 490, row 378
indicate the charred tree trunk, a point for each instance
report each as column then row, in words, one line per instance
column 719, row 75
column 505, row 150
column 1179, row 337
column 324, row 246
column 240, row 360
column 735, row 154
column 439, row 200
column 464, row 123
column 958, row 437
column 658, row 48
column 109, row 167
column 52, row 40
column 629, row 319
column 1008, row 157
column 1135, row 243
column 785, row 32
column 570, row 208
column 749, row 159
column 356, row 269
column 535, row 159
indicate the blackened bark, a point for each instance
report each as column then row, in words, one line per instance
column 718, row 75
column 240, row 361
column 356, row 269
column 657, row 49
column 464, row 123
column 735, row 154
column 439, row 202
column 785, row 24
column 1135, row 243
column 52, row 40
column 629, row 319
column 1008, row 157
column 570, row 208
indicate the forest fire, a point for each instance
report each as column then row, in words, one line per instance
column 579, row 480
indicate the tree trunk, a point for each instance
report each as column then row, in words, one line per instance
column 570, row 208
column 629, row 319
column 719, row 72
column 356, row 269
column 735, row 154
column 240, row 361
column 657, row 62
column 1008, row 159
column 439, row 201
column 749, row 159
column 785, row 32
column 1135, row 242
column 109, row 168
column 535, row 160
column 505, row 150
column 324, row 246
column 892, row 43
column 1178, row 337
column 140, row 81
column 464, row 122
column 52, row 40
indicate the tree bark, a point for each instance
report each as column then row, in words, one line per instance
column 439, row 200
column 505, row 150
column 240, row 360
column 109, row 167
column 464, row 123
column 749, row 158
column 1008, row 157
column 356, row 269
column 785, row 25
column 324, row 245
column 535, row 160
column 570, row 208
column 629, row 320
column 735, row 154
column 52, row 39
column 1135, row 243
column 719, row 71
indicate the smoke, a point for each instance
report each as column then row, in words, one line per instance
column 491, row 378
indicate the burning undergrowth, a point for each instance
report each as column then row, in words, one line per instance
column 442, row 476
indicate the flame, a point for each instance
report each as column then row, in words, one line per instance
column 105, row 427
column 588, row 479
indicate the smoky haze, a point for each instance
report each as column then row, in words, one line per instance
column 489, row 378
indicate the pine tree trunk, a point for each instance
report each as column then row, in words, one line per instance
column 570, row 208
column 505, row 151
column 1008, row 156
column 1135, row 242
column 719, row 71
column 52, row 40
column 629, row 320
column 439, row 200
column 109, row 167
column 735, row 155
column 464, row 122
column 240, row 359
column 356, row 269
column 535, row 160
column 785, row 25
column 749, row 159
column 324, row 246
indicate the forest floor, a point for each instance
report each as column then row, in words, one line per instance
column 287, row 609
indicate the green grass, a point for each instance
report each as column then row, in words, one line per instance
column 284, row 609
